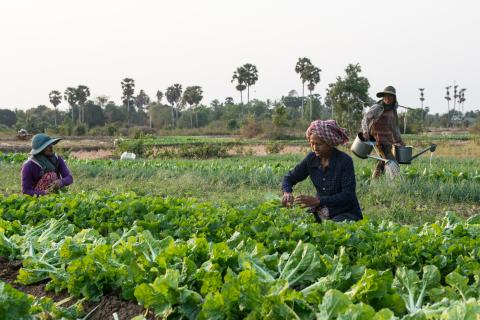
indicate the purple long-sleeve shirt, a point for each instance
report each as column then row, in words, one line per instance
column 32, row 173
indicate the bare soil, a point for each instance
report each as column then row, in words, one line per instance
column 92, row 155
column 90, row 148
column 105, row 308
column 73, row 143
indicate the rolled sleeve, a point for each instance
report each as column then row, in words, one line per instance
column 298, row 174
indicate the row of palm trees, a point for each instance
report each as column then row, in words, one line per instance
column 77, row 97
column 247, row 75
column 309, row 74
column 178, row 99
column 244, row 77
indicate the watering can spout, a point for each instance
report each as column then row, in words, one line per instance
column 404, row 154
column 432, row 148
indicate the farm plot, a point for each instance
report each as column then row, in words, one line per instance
column 180, row 258
column 425, row 192
column 203, row 239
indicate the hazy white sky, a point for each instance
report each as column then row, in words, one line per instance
column 52, row 44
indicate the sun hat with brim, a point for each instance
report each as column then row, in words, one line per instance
column 388, row 90
column 40, row 142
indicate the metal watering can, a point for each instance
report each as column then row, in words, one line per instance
column 362, row 149
column 404, row 154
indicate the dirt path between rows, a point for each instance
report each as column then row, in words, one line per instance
column 12, row 145
column 105, row 308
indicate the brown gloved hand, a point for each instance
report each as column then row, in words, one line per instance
column 366, row 136
column 287, row 200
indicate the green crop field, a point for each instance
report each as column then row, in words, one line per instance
column 181, row 128
column 207, row 239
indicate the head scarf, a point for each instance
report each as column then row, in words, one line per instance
column 328, row 131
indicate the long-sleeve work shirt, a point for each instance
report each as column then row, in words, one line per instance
column 335, row 186
column 32, row 173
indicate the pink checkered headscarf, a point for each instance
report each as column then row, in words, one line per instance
column 329, row 131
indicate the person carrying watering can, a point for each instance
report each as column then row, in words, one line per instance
column 44, row 172
column 331, row 172
column 380, row 121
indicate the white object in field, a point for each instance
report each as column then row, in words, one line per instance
column 128, row 156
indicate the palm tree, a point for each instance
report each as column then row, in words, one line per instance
column 102, row 101
column 302, row 63
column 128, row 89
column 240, row 76
column 70, row 95
column 447, row 97
column 82, row 93
column 173, row 95
column 159, row 96
column 241, row 87
column 142, row 100
column 55, row 98
column 188, row 99
column 197, row 98
column 251, row 77
column 312, row 74
column 193, row 95
column 178, row 92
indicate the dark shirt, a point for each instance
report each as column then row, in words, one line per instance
column 335, row 186
column 385, row 129
column 32, row 173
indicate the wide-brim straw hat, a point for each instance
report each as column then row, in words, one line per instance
column 390, row 90
column 41, row 141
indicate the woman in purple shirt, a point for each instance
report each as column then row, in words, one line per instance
column 44, row 172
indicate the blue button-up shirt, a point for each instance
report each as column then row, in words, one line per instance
column 335, row 186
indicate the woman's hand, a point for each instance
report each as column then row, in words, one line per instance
column 54, row 186
column 400, row 143
column 306, row 201
column 287, row 200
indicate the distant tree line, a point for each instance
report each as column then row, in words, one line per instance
column 179, row 107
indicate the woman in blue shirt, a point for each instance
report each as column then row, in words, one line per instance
column 331, row 172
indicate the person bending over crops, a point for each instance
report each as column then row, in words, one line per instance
column 381, row 122
column 331, row 172
column 44, row 172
